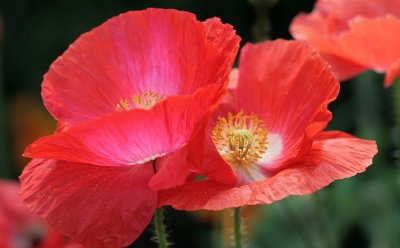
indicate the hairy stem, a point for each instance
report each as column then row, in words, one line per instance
column 161, row 237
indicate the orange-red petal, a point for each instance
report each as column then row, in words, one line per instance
column 288, row 85
column 371, row 42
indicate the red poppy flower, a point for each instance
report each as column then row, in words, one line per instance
column 269, row 143
column 139, row 87
column 354, row 35
column 19, row 228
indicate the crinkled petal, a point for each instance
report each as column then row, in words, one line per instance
column 334, row 156
column 132, row 137
column 97, row 206
column 288, row 85
column 166, row 51
column 223, row 38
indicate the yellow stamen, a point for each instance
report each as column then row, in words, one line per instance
column 240, row 139
column 145, row 100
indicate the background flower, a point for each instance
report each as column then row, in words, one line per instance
column 354, row 35
column 19, row 228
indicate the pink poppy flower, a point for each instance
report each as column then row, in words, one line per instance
column 267, row 139
column 137, row 88
column 354, row 35
column 19, row 228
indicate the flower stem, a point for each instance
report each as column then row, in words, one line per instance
column 161, row 237
column 238, row 228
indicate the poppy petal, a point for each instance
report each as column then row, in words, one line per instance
column 288, row 85
column 200, row 157
column 371, row 33
column 314, row 29
column 212, row 164
column 392, row 74
column 223, row 37
column 353, row 35
column 342, row 68
column 341, row 11
column 331, row 17
column 97, row 206
column 333, row 135
column 166, row 51
column 205, row 160
column 334, row 155
column 132, row 137
column 172, row 170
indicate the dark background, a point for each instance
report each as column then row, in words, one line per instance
column 363, row 211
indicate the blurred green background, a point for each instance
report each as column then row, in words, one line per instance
column 363, row 211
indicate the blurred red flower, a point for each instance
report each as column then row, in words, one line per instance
column 19, row 228
column 354, row 35
column 137, row 88
column 267, row 139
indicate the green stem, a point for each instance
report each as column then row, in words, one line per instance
column 238, row 228
column 161, row 237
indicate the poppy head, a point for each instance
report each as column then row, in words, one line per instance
column 266, row 141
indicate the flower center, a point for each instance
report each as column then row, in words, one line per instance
column 145, row 100
column 240, row 139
